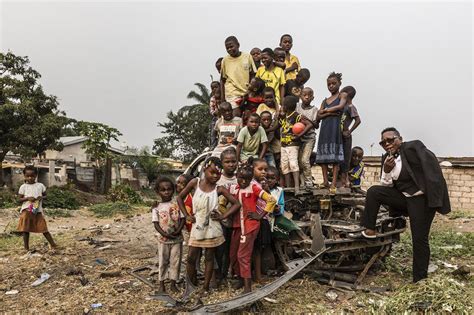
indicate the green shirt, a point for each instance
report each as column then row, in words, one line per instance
column 251, row 143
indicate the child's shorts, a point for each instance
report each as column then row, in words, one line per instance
column 264, row 237
column 30, row 222
column 233, row 101
column 289, row 159
column 270, row 159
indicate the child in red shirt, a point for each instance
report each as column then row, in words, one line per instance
column 246, row 223
column 181, row 182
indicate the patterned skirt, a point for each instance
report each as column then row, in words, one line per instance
column 206, row 243
column 30, row 222
column 330, row 148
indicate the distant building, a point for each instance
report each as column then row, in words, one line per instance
column 73, row 151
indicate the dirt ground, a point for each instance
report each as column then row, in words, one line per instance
column 76, row 283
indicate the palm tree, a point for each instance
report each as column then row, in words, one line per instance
column 202, row 98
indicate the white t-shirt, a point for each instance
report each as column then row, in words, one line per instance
column 167, row 214
column 32, row 190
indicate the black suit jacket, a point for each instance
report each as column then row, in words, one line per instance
column 424, row 169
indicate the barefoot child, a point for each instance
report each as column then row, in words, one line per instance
column 330, row 148
column 291, row 142
column 264, row 237
column 247, row 223
column 31, row 194
column 349, row 115
column 168, row 222
column 206, row 231
column 308, row 139
column 228, row 178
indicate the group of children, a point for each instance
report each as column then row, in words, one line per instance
column 232, row 210
column 264, row 122
column 229, row 213
column 262, row 96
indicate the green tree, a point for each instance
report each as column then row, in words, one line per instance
column 98, row 146
column 187, row 130
column 152, row 165
column 30, row 121
column 99, row 136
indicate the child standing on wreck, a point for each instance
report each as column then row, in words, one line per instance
column 206, row 231
column 169, row 223
column 31, row 194
column 330, row 148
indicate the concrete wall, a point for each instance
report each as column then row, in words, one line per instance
column 460, row 182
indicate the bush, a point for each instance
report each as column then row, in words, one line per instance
column 8, row 198
column 124, row 193
column 61, row 197
column 110, row 209
column 437, row 294
column 58, row 213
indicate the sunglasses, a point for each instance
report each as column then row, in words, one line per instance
column 387, row 141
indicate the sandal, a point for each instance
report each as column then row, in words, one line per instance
column 332, row 190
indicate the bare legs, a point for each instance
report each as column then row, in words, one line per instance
column 209, row 265
column 47, row 235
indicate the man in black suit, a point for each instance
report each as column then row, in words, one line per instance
column 411, row 184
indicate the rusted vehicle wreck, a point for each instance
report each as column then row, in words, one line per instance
column 321, row 244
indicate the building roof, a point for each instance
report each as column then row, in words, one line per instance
column 79, row 139
column 72, row 140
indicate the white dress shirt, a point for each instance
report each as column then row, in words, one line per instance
column 387, row 178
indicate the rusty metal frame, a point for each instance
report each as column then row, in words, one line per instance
column 240, row 301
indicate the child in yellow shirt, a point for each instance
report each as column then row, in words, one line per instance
column 273, row 76
column 291, row 61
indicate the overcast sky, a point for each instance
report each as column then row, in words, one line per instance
column 127, row 64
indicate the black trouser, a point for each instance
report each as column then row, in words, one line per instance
column 222, row 254
column 420, row 216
